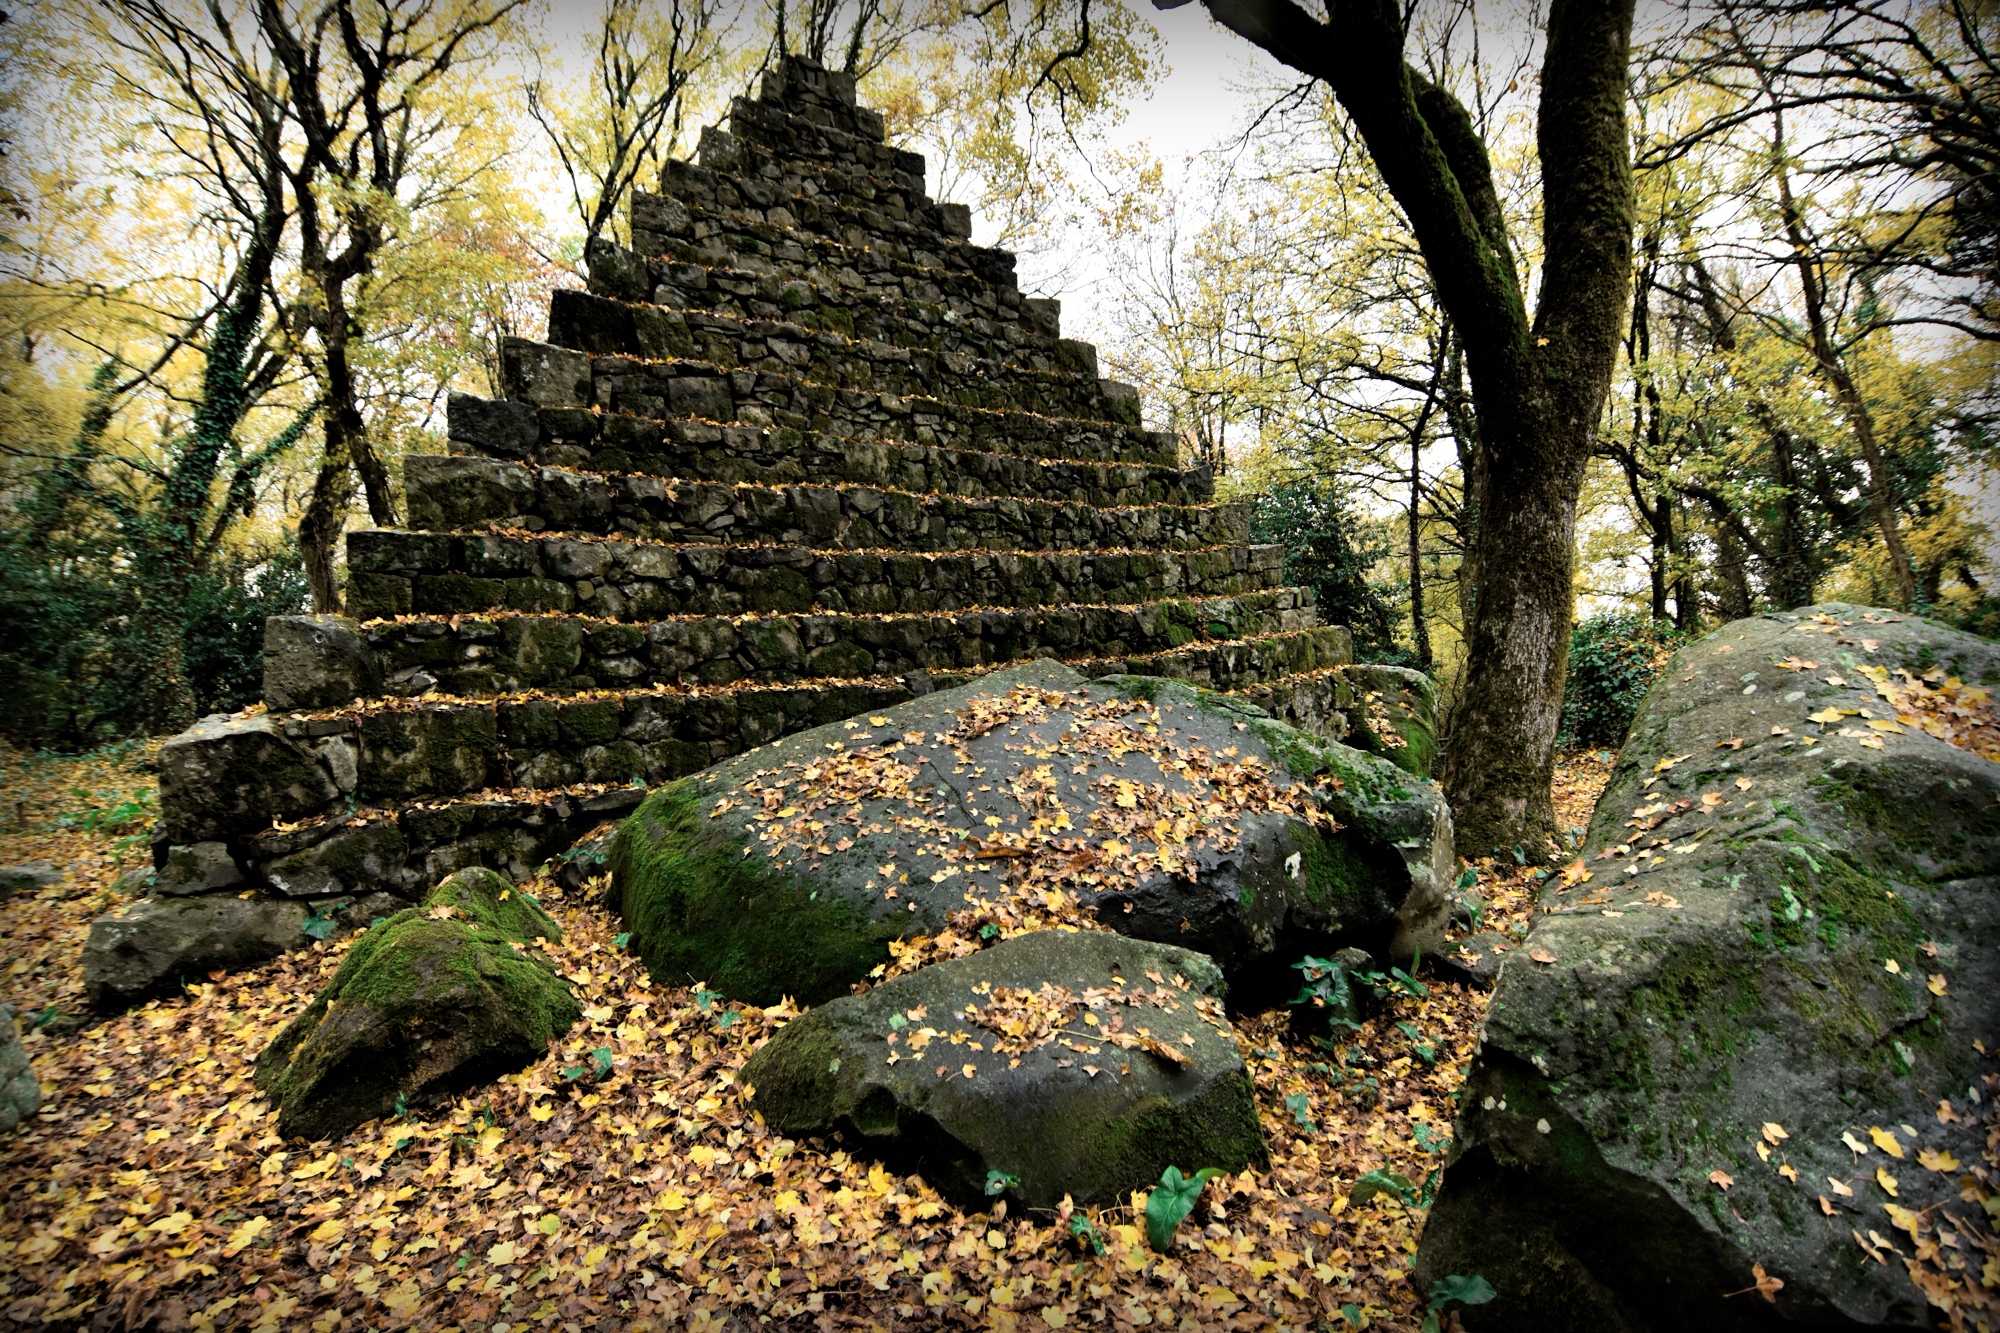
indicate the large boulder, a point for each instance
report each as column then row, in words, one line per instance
column 234, row 775
column 1071, row 1062
column 1163, row 812
column 20, row 1090
column 427, row 1003
column 151, row 946
column 1748, row 1042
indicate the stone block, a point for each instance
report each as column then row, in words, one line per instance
column 233, row 775
column 447, row 493
column 437, row 751
column 355, row 859
column 202, row 867
column 955, row 220
column 317, row 662
column 151, row 947
column 544, row 375
column 500, row 428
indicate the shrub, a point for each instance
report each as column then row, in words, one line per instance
column 1612, row 662
column 1324, row 552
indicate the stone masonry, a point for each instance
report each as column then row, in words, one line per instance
column 803, row 451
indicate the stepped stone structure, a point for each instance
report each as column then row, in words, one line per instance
column 802, row 451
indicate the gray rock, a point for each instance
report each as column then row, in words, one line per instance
column 201, row 867
column 148, row 948
column 356, row 858
column 544, row 375
column 497, row 427
column 27, row 878
column 20, row 1089
column 234, row 775
column 992, row 817
column 1054, row 1103
column 135, row 883
column 1732, row 971
column 423, row 1006
column 1478, row 958
column 317, row 662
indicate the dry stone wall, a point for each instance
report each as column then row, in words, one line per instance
column 801, row 451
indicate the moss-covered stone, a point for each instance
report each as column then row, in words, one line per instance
column 707, row 896
column 1035, row 1114
column 1757, row 956
column 425, row 1004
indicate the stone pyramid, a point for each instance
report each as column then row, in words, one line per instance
column 803, row 451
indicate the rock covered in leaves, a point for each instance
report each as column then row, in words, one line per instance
column 1732, row 1078
column 431, row 1001
column 1055, row 1063
column 1140, row 804
column 20, row 1090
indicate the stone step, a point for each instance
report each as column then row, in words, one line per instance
column 1237, row 665
column 449, row 493
column 431, row 573
column 571, row 389
column 504, row 652
column 650, row 361
column 701, row 211
column 886, row 301
column 776, row 455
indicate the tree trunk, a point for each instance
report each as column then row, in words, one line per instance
column 1834, row 371
column 1420, row 631
column 320, row 528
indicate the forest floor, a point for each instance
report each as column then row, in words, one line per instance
column 152, row 1192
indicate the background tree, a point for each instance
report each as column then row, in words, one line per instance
column 617, row 125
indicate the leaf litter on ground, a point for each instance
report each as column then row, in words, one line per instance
column 642, row 1191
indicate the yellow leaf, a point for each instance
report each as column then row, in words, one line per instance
column 1886, row 1141
column 1789, row 1172
column 328, row 1232
column 1827, row 715
column 1892, row 967
column 1839, row 1188
column 503, row 1253
column 1881, row 724
column 1885, row 1180
column 1937, row 984
column 541, row 1113
column 878, row 721
column 1053, row 1316
column 1722, row 1178
column 1774, row 1133
column 173, row 1223
column 1934, row 1159
column 245, row 1235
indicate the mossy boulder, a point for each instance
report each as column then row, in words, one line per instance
column 1161, row 811
column 1001, row 1062
column 433, row 1000
column 1395, row 716
column 1777, row 970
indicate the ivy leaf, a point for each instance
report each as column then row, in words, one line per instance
column 1170, row 1203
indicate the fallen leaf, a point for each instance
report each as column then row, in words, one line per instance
column 1722, row 1178
column 1936, row 985
column 1886, row 1181
column 1885, row 1140
column 1840, row 1187
column 1774, row 1133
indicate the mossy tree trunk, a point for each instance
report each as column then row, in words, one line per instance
column 1538, row 385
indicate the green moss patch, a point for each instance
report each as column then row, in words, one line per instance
column 698, row 912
